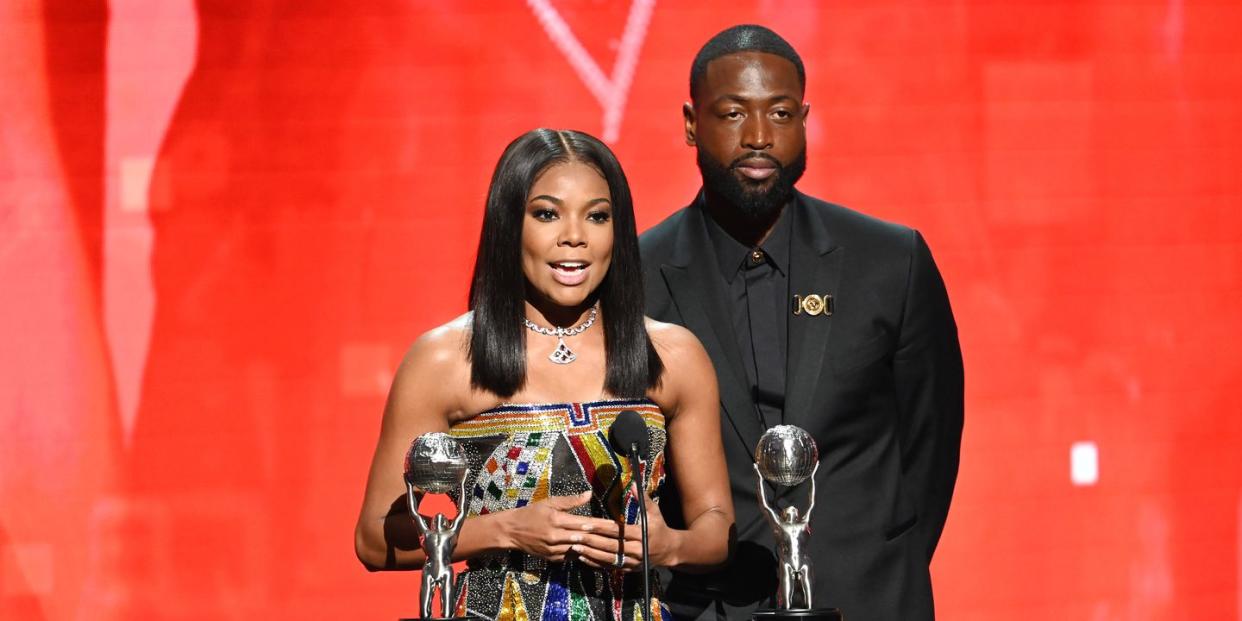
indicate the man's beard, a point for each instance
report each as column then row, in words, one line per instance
column 755, row 205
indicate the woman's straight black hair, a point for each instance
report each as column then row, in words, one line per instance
column 498, row 287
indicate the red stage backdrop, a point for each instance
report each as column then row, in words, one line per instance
column 222, row 222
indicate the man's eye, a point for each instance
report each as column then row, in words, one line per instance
column 733, row 114
column 783, row 114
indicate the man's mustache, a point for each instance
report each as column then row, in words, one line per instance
column 753, row 155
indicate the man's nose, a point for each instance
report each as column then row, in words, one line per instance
column 756, row 135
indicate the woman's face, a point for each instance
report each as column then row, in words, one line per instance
column 567, row 234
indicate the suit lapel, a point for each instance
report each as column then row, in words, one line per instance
column 694, row 286
column 815, row 268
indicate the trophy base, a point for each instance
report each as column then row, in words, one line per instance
column 814, row 614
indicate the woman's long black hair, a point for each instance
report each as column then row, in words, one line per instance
column 497, row 290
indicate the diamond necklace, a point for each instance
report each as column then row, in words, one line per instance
column 562, row 354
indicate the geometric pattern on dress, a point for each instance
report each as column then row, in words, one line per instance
column 556, row 595
column 568, row 418
column 516, row 474
column 600, row 467
column 463, row 595
column 512, row 606
column 504, row 446
column 617, row 582
column 579, row 607
column 562, row 601
column 659, row 611
column 588, row 437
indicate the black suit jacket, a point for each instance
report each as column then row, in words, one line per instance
column 879, row 386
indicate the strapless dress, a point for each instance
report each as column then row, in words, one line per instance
column 523, row 453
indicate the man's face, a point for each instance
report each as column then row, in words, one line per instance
column 748, row 125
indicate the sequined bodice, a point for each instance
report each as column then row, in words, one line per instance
column 523, row 453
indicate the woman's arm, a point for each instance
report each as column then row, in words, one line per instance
column 695, row 455
column 420, row 401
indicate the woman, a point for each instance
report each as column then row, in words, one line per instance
column 529, row 381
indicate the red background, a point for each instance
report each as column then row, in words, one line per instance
column 222, row 222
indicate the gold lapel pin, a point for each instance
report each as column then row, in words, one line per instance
column 813, row 304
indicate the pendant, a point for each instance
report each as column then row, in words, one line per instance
column 562, row 354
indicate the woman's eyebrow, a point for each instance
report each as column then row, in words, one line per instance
column 550, row 199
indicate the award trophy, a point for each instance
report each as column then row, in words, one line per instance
column 436, row 464
column 786, row 456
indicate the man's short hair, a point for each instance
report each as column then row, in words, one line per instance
column 742, row 38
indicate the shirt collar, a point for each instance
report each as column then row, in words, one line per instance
column 732, row 255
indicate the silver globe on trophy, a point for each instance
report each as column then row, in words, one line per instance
column 436, row 464
column 786, row 456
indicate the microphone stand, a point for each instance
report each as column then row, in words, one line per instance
column 636, row 461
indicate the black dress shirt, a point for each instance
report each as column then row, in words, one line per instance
column 756, row 284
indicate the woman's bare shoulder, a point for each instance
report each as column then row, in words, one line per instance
column 688, row 372
column 436, row 371
column 672, row 340
column 434, row 376
column 442, row 352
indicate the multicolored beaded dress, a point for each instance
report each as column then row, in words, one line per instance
column 522, row 454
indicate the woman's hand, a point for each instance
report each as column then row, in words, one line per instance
column 599, row 548
column 663, row 542
column 548, row 530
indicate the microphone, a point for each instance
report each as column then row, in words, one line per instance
column 628, row 434
column 628, row 437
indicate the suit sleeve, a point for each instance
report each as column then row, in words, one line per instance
column 929, row 382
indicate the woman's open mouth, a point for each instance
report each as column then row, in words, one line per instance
column 570, row 273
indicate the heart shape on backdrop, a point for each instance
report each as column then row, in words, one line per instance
column 609, row 89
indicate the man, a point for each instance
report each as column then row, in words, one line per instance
column 815, row 316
